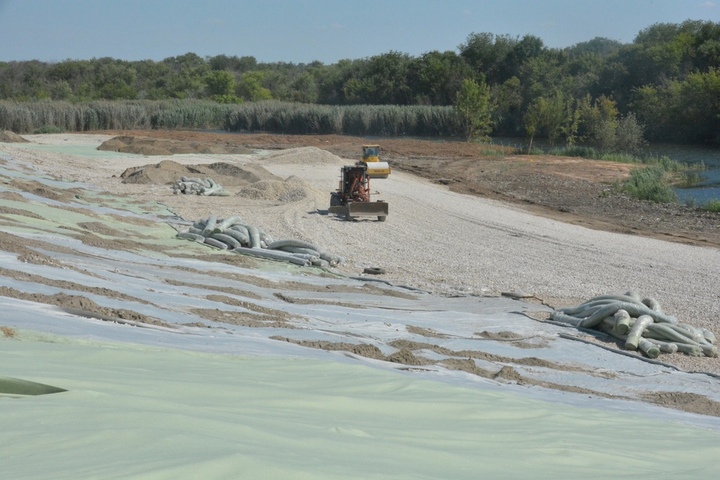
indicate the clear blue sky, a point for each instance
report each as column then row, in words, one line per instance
column 301, row 31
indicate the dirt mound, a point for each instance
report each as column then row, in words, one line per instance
column 164, row 172
column 289, row 190
column 305, row 156
column 157, row 146
column 247, row 173
column 169, row 171
column 6, row 136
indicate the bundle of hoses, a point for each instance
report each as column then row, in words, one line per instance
column 198, row 186
column 233, row 234
column 640, row 323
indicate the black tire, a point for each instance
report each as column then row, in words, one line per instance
column 381, row 218
column 335, row 200
column 374, row 270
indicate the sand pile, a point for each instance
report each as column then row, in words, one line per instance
column 248, row 173
column 6, row 136
column 169, row 171
column 305, row 156
column 154, row 146
column 289, row 190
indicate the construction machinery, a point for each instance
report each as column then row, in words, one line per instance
column 352, row 198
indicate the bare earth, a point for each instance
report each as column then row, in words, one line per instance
column 461, row 222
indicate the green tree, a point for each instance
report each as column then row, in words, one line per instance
column 629, row 137
column 186, row 76
column 114, row 79
column 700, row 99
column 304, row 88
column 220, row 82
column 332, row 81
column 600, row 122
column 507, row 99
column 232, row 64
column 651, row 107
column 486, row 54
column 601, row 46
column 251, row 88
column 152, row 78
column 550, row 117
column 434, row 77
column 380, row 80
column 523, row 50
column 533, row 120
column 473, row 105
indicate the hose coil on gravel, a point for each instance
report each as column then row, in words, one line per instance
column 640, row 323
column 233, row 234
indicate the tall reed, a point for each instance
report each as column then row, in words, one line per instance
column 266, row 116
column 28, row 117
column 381, row 120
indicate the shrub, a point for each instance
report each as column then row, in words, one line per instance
column 48, row 129
column 649, row 183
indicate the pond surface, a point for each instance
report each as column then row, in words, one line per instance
column 709, row 187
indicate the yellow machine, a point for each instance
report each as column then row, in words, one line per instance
column 352, row 198
column 371, row 157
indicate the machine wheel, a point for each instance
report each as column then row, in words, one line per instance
column 335, row 200
column 381, row 218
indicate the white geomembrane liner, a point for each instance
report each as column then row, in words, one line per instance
column 134, row 411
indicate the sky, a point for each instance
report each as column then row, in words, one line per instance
column 303, row 31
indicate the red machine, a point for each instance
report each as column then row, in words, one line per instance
column 352, row 198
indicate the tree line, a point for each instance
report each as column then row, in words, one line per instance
column 663, row 86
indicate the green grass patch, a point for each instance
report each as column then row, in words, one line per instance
column 712, row 206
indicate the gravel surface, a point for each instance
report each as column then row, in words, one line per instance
column 438, row 240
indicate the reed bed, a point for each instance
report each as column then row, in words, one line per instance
column 381, row 120
column 267, row 116
column 30, row 117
